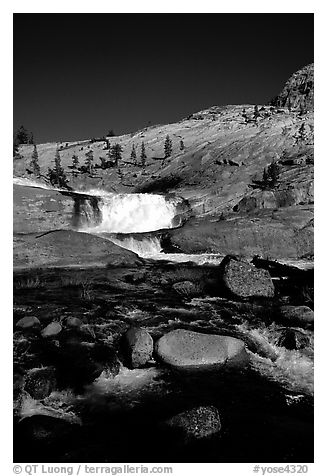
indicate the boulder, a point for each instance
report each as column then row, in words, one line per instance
column 28, row 322
column 138, row 347
column 186, row 288
column 193, row 351
column 196, row 424
column 74, row 322
column 244, row 280
column 39, row 383
column 297, row 315
column 52, row 329
column 293, row 339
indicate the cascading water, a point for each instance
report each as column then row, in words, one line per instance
column 133, row 213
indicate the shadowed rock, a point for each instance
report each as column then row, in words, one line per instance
column 198, row 423
column 302, row 316
column 244, row 280
column 138, row 347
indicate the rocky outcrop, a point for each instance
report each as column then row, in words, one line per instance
column 282, row 233
column 138, row 347
column 70, row 248
column 244, row 280
column 298, row 92
column 193, row 351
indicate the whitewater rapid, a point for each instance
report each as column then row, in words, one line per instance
column 133, row 212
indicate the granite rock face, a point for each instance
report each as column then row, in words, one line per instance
column 298, row 91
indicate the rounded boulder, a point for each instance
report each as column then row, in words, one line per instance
column 193, row 351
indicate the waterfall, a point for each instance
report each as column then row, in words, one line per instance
column 145, row 247
column 132, row 213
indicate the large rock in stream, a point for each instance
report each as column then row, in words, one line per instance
column 193, row 351
column 244, row 280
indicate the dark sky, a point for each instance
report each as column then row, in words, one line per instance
column 78, row 75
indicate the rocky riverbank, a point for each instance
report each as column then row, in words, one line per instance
column 165, row 358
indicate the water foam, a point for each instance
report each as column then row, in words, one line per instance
column 134, row 213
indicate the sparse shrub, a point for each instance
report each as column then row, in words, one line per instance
column 181, row 145
column 86, row 292
column 29, row 283
column 111, row 133
column 75, row 161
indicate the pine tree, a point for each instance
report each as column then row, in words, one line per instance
column 133, row 154
column 168, row 148
column 301, row 135
column 57, row 175
column 115, row 153
column 265, row 177
column 181, row 145
column 89, row 161
column 143, row 155
column 15, row 147
column 273, row 173
column 35, row 162
column 75, row 161
column 22, row 135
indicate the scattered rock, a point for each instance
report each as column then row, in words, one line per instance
column 52, row 329
column 198, row 423
column 138, row 345
column 28, row 322
column 301, row 316
column 188, row 350
column 39, row 383
column 244, row 280
column 186, row 288
column 73, row 322
column 293, row 339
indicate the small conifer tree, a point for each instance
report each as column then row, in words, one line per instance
column 273, row 173
column 133, row 154
column 57, row 175
column 265, row 177
column 168, row 147
column 89, row 161
column 143, row 155
column 35, row 162
column 75, row 161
